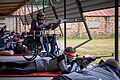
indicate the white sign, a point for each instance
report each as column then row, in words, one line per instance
column 94, row 24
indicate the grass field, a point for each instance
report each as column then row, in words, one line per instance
column 94, row 47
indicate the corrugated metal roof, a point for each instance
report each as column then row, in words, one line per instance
column 87, row 5
column 9, row 6
column 105, row 12
column 72, row 10
column 24, row 10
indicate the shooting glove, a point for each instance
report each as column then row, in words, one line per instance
column 60, row 58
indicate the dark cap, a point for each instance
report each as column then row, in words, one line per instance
column 112, row 62
column 70, row 51
column 40, row 14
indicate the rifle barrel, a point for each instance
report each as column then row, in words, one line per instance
column 105, row 56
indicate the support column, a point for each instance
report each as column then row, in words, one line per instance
column 65, row 24
column 16, row 24
column 116, row 32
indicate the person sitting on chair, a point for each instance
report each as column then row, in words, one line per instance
column 38, row 25
column 108, row 70
column 48, row 64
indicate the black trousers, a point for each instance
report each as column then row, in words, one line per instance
column 17, row 67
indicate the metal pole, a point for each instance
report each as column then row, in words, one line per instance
column 43, row 6
column 65, row 24
column 20, row 30
column 82, row 16
column 32, row 8
column 55, row 13
column 53, row 8
column 26, row 21
column 37, row 5
column 21, row 19
column 13, row 24
column 116, row 31
column 25, row 14
column 29, row 11
column 86, row 27
column 16, row 25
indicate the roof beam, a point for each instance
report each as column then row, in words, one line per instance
column 4, row 14
column 15, row 2
column 24, row 2
column 5, row 11
column 12, row 2
column 7, row 7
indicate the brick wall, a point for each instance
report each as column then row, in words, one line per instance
column 106, row 27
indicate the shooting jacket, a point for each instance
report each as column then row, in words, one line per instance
column 35, row 26
column 49, row 64
column 90, row 74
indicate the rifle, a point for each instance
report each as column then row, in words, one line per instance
column 82, row 62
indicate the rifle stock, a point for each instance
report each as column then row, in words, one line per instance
column 84, row 61
column 81, row 60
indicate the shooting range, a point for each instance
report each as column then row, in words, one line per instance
column 91, row 27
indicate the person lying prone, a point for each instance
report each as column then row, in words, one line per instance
column 108, row 70
column 48, row 64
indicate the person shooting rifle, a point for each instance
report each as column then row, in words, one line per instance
column 105, row 70
column 40, row 23
column 47, row 64
column 37, row 26
column 83, row 62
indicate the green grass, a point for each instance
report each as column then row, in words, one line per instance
column 96, row 47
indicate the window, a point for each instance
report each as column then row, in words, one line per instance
column 68, row 25
column 93, row 24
